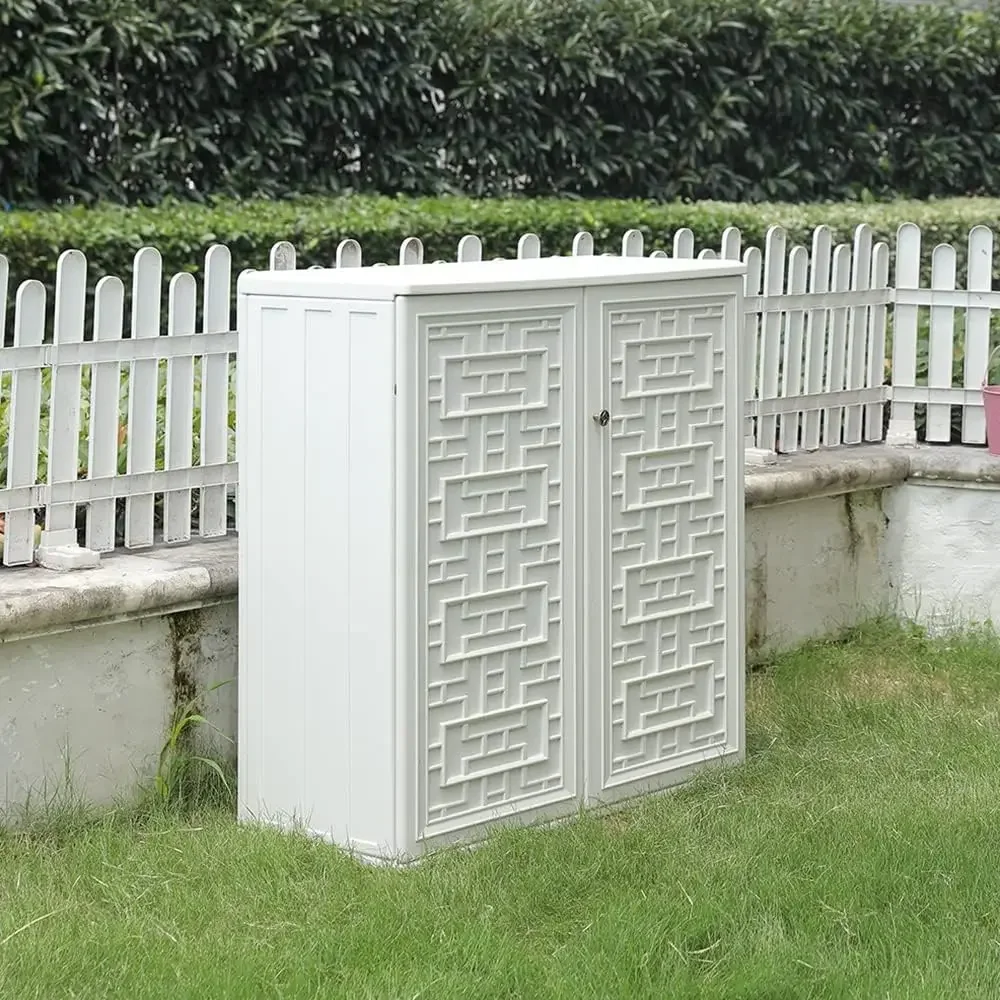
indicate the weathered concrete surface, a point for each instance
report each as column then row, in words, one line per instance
column 812, row 566
column 93, row 664
column 38, row 601
column 832, row 472
column 943, row 550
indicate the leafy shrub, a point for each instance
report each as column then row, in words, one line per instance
column 742, row 100
column 134, row 100
column 110, row 236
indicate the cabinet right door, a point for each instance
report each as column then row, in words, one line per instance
column 664, row 519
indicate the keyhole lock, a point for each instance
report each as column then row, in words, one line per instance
column 602, row 418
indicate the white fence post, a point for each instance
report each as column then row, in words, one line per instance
column 4, row 279
column 941, row 346
column 902, row 418
column 874, row 412
column 858, row 331
column 836, row 359
column 106, row 429
column 791, row 363
column 59, row 546
column 143, row 385
column 213, row 513
column 770, row 335
column 977, row 328
column 815, row 334
column 751, row 333
column 25, row 421
column 178, row 445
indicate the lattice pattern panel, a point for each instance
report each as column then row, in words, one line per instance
column 665, row 689
column 495, row 694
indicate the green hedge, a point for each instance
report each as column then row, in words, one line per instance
column 134, row 100
column 743, row 100
column 110, row 236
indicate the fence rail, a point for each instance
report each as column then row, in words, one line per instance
column 129, row 436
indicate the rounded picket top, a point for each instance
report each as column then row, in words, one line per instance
column 282, row 257
column 633, row 244
column 349, row 254
column 411, row 251
column 529, row 247
column 470, row 249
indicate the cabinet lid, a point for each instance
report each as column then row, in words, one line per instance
column 479, row 276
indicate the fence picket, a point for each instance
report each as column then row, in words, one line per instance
column 106, row 429
column 212, row 520
column 144, row 377
column 684, row 244
column 470, row 249
column 751, row 335
column 731, row 243
column 4, row 281
column 770, row 347
column 67, row 380
column 282, row 257
column 836, row 365
column 633, row 244
column 178, row 445
column 791, row 362
column 411, row 251
column 858, row 331
column 875, row 412
column 941, row 345
column 529, row 247
column 25, row 423
column 979, row 278
column 349, row 254
column 583, row 245
column 815, row 333
column 905, row 318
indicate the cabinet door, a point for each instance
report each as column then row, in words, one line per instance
column 664, row 526
column 491, row 423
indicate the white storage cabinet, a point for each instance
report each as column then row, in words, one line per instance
column 491, row 521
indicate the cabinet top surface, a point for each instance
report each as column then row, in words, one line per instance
column 479, row 276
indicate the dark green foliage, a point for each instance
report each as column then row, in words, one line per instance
column 134, row 100
column 741, row 100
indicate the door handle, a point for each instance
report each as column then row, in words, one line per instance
column 602, row 418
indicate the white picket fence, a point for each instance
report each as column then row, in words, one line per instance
column 146, row 416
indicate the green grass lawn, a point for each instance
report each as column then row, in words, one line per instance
column 855, row 855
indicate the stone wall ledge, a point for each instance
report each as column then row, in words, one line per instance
column 166, row 579
column 126, row 585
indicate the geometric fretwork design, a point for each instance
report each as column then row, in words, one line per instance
column 664, row 683
column 492, row 693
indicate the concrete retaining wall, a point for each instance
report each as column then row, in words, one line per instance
column 93, row 664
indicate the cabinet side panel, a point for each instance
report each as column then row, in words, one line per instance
column 316, row 577
column 736, row 533
column 272, row 540
column 248, row 438
column 370, row 488
column 326, row 514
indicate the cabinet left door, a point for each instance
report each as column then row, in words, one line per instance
column 488, row 410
